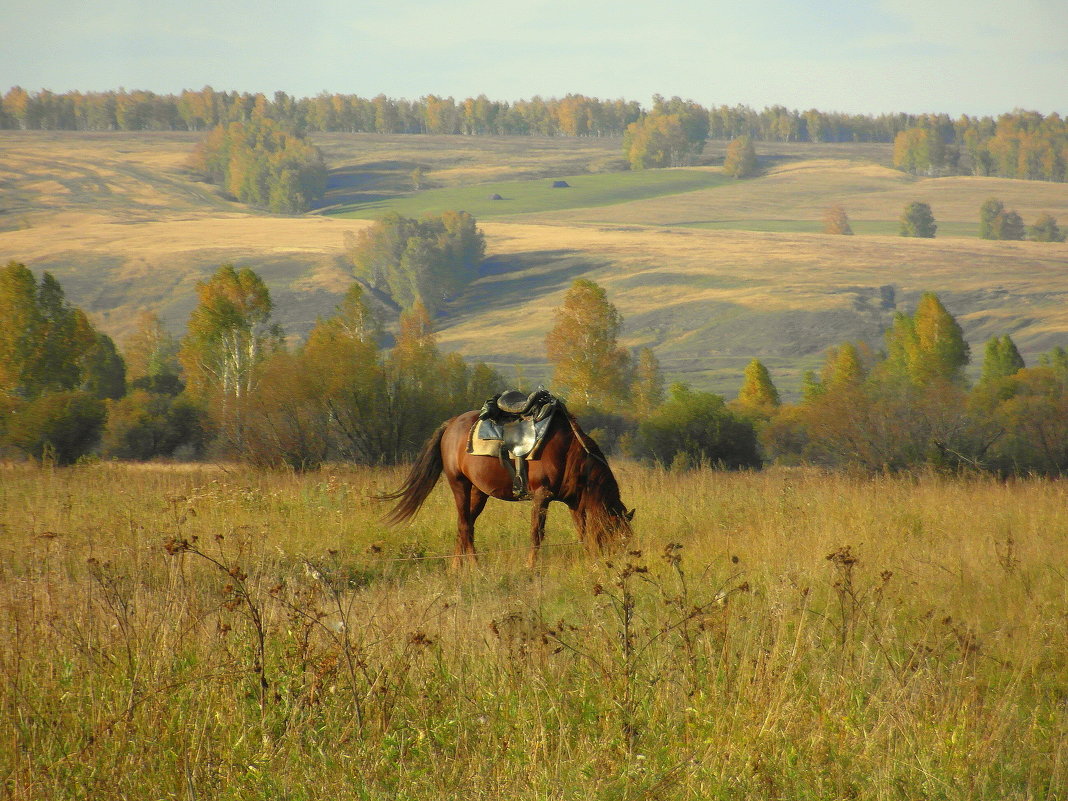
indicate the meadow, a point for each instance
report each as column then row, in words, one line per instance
column 196, row 632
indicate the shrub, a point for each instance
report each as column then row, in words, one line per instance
column 62, row 426
column 146, row 425
column 700, row 427
column 917, row 220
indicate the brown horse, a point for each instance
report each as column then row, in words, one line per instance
column 570, row 469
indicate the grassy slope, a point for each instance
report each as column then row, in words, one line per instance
column 709, row 277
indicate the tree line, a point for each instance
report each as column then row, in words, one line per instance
column 232, row 387
column 571, row 115
column 1023, row 144
column 908, row 405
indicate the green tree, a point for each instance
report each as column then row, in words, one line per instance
column 1008, row 225
column 588, row 363
column 1001, row 359
column 151, row 356
column 102, row 368
column 144, row 425
column 21, row 331
column 46, row 344
column 988, row 214
column 1032, row 411
column 696, row 428
column 918, row 221
column 341, row 360
column 230, row 334
column 741, row 159
column 1045, row 229
column 424, row 260
column 62, row 425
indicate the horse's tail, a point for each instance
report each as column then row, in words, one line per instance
column 420, row 481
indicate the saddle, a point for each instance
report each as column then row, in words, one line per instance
column 511, row 426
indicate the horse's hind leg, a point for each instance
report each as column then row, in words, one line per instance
column 470, row 501
column 538, row 512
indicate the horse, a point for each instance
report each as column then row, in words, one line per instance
column 570, row 469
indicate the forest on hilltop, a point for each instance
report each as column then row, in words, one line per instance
column 1017, row 144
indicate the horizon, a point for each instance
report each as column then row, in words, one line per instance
column 869, row 58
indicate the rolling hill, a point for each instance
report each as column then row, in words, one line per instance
column 708, row 272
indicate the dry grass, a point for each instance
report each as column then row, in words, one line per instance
column 778, row 635
column 708, row 301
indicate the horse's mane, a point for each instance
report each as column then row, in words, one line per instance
column 586, row 463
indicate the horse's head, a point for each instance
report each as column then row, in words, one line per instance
column 613, row 525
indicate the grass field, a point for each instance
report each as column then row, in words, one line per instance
column 709, row 272
column 212, row 632
column 531, row 196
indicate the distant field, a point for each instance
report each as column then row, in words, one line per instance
column 523, row 197
column 708, row 272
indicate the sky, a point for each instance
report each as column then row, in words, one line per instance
column 974, row 57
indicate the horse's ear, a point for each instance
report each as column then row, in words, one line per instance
column 630, row 515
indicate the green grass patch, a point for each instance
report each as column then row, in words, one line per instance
column 860, row 227
column 524, row 197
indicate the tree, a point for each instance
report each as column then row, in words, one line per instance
column 20, row 332
column 151, row 356
column 835, row 221
column 927, row 346
column 1008, row 225
column 918, row 221
column 1045, row 229
column 741, row 159
column 1001, row 359
column 419, row 260
column 144, row 425
column 588, row 363
column 46, row 344
column 1033, row 412
column 988, row 213
column 102, row 369
column 657, row 140
column 919, row 150
column 230, row 333
column 758, row 394
column 647, row 391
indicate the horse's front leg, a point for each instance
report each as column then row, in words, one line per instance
column 470, row 501
column 538, row 512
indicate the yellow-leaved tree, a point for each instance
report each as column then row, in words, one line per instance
column 589, row 365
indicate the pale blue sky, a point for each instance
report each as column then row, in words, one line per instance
column 865, row 56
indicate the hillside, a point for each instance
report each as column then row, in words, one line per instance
column 708, row 272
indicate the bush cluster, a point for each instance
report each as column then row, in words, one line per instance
column 425, row 261
column 263, row 164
